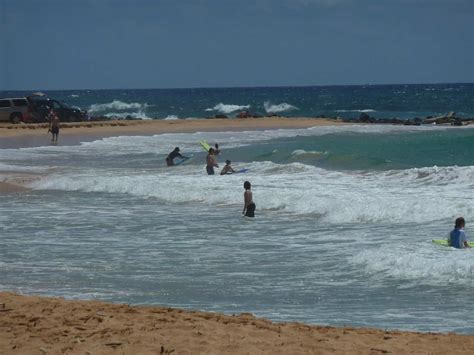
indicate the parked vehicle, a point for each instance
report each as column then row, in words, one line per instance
column 41, row 104
column 15, row 110
column 35, row 108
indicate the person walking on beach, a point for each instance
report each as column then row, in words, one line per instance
column 211, row 162
column 227, row 169
column 54, row 124
column 457, row 237
column 171, row 156
column 249, row 205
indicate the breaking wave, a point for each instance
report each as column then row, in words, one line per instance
column 116, row 105
column 269, row 108
column 120, row 109
column 223, row 108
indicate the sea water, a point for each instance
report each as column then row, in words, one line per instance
column 380, row 101
column 342, row 234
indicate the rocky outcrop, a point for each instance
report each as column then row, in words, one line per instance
column 449, row 118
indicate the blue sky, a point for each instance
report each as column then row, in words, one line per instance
column 93, row 44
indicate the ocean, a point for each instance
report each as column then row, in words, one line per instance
column 380, row 101
column 342, row 235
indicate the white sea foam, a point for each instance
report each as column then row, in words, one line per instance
column 270, row 108
column 116, row 105
column 7, row 168
column 333, row 196
column 223, row 108
column 73, row 95
column 171, row 117
column 425, row 263
column 302, row 152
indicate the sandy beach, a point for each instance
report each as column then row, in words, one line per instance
column 20, row 135
column 40, row 325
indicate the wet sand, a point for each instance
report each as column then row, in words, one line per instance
column 7, row 187
column 30, row 135
column 39, row 325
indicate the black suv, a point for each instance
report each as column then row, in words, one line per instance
column 41, row 105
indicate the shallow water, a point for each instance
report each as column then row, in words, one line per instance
column 345, row 216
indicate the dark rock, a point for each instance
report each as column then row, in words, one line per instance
column 244, row 114
column 363, row 117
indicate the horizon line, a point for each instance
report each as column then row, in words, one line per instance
column 240, row 87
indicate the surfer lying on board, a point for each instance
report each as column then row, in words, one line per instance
column 457, row 237
column 227, row 169
column 249, row 205
column 171, row 156
column 211, row 162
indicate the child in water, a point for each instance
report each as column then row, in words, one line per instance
column 457, row 237
column 211, row 162
column 227, row 169
column 249, row 205
column 171, row 156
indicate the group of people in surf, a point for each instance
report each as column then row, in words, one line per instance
column 211, row 163
column 457, row 237
column 211, row 160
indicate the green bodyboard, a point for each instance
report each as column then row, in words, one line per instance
column 442, row 242
column 205, row 146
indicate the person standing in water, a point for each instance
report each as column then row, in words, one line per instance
column 249, row 205
column 211, row 162
column 54, row 124
column 457, row 237
column 171, row 156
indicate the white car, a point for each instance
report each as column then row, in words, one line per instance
column 15, row 110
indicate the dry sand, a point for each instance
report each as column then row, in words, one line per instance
column 38, row 325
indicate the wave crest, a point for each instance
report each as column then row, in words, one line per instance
column 269, row 108
column 116, row 105
column 223, row 108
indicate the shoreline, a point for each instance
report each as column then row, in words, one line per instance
column 34, row 324
column 33, row 135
